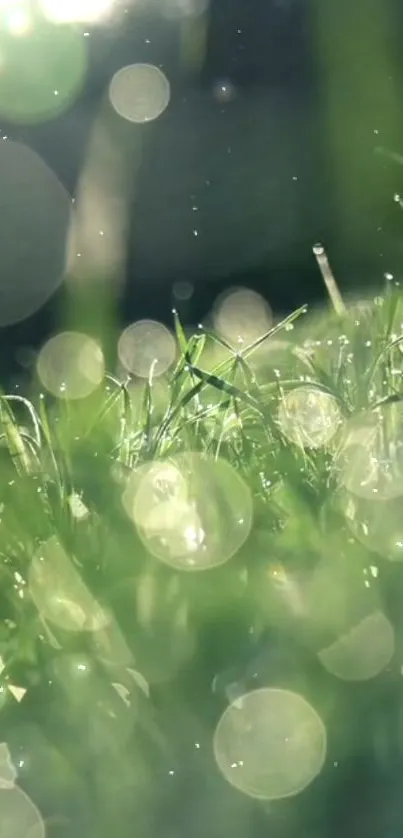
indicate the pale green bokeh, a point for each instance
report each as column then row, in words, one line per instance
column 309, row 417
column 146, row 348
column 193, row 512
column 270, row 744
column 42, row 67
column 362, row 652
column 139, row 92
column 71, row 365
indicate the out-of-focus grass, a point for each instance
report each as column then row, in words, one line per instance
column 63, row 468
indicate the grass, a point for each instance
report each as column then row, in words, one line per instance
column 63, row 466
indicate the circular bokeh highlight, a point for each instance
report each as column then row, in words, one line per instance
column 71, row 365
column 193, row 512
column 270, row 744
column 309, row 417
column 139, row 92
column 42, row 67
column 146, row 348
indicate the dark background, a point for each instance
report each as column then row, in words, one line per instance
column 287, row 159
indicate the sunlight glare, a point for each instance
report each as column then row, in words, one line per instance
column 370, row 461
column 241, row 317
column 77, row 11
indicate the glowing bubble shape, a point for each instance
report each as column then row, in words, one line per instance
column 71, row 365
column 19, row 816
column 59, row 593
column 377, row 524
column 193, row 513
column 362, row 652
column 146, row 348
column 139, row 92
column 270, row 744
column 309, row 417
column 370, row 461
column 242, row 316
column 76, row 11
column 42, row 68
column 35, row 214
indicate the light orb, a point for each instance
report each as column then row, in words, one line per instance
column 193, row 513
column 139, row 92
column 146, row 348
column 43, row 66
column 77, row 11
column 309, row 417
column 363, row 651
column 71, row 365
column 242, row 316
column 270, row 744
column 370, row 460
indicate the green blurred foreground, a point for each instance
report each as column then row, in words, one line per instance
column 201, row 588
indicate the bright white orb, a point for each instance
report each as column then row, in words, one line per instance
column 363, row 651
column 76, row 11
column 309, row 417
column 139, row 92
column 193, row 513
column 270, row 744
column 146, row 348
column 71, row 365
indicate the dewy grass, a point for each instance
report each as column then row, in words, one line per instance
column 56, row 461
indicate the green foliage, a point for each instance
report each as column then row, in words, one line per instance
column 173, row 634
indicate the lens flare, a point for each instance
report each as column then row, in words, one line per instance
column 139, row 93
column 363, row 652
column 242, row 316
column 193, row 513
column 77, row 11
column 370, row 461
column 377, row 524
column 270, row 744
column 71, row 365
column 146, row 348
column 309, row 417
